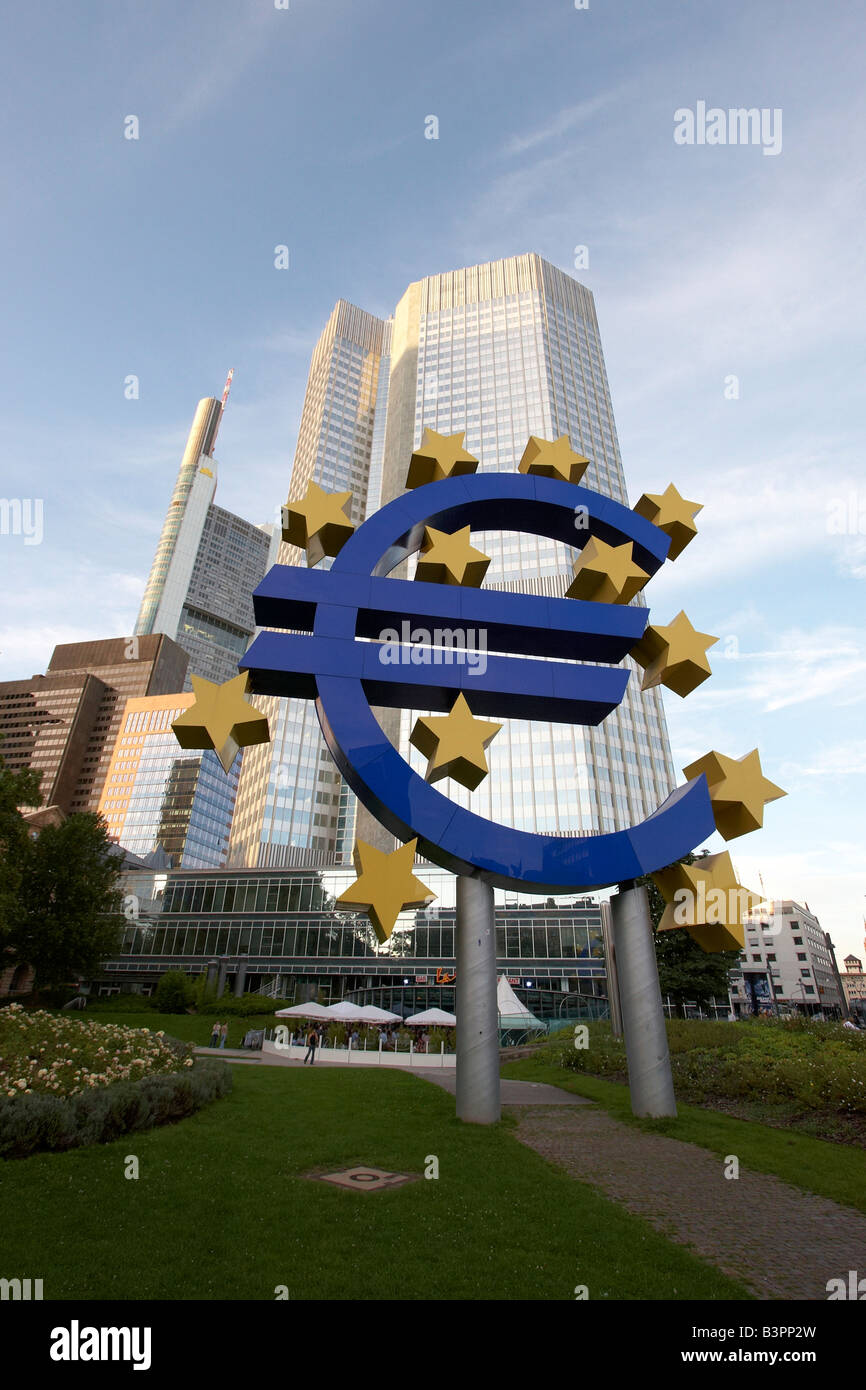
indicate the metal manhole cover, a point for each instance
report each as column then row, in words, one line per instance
column 365, row 1179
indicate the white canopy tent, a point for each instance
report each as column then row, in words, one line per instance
column 309, row 1010
column 431, row 1018
column 371, row 1014
column 513, row 1014
column 345, row 1012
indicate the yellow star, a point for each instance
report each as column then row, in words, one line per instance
column 385, row 885
column 674, row 656
column 739, row 791
column 439, row 456
column 553, row 458
column 454, row 744
column 318, row 522
column 606, row 573
column 706, row 899
column 450, row 559
column 672, row 514
column 221, row 719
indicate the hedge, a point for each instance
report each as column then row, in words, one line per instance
column 34, row 1123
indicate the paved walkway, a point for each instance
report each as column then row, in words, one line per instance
column 513, row 1092
column 779, row 1241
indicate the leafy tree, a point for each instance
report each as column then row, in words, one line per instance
column 174, row 993
column 687, row 973
column 16, row 789
column 71, row 917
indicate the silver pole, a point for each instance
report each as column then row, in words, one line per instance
column 610, row 970
column 478, row 1096
column 646, row 1044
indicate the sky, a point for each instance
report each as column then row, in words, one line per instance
column 728, row 279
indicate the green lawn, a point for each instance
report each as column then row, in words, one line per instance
column 194, row 1028
column 221, row 1209
column 837, row 1171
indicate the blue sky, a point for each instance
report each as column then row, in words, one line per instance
column 305, row 127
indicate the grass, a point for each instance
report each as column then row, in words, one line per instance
column 837, row 1171
column 221, row 1209
column 194, row 1028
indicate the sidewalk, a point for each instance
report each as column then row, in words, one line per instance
column 781, row 1242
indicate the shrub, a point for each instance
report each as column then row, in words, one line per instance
column 336, row 1034
column 174, row 994
column 438, row 1036
column 32, row 1123
column 247, row 1006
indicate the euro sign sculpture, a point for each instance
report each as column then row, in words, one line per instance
column 336, row 655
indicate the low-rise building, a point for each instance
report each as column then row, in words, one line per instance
column 854, row 985
column 787, row 965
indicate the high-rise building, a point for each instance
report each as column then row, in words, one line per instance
column 293, row 806
column 46, row 724
column 207, row 563
column 501, row 351
column 161, row 797
column 65, row 723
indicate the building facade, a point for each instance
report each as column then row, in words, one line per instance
column 279, row 930
column 500, row 351
column 65, row 723
column 164, row 800
column 787, row 965
column 292, row 805
column 854, row 985
column 207, row 564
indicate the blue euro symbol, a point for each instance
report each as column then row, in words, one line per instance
column 345, row 674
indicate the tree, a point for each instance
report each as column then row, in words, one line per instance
column 16, row 789
column 687, row 973
column 174, row 993
column 71, row 917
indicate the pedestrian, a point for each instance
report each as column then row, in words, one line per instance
column 224, row 1032
column 312, row 1044
column 215, row 1036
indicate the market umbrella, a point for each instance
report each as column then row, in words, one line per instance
column 309, row 1010
column 433, row 1018
column 345, row 1012
column 371, row 1014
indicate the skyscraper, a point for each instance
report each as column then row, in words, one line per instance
column 292, row 804
column 65, row 723
column 207, row 563
column 501, row 351
column 160, row 796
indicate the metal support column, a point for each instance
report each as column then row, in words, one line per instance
column 478, row 1095
column 610, row 970
column 646, row 1044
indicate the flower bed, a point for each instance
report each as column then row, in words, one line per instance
column 813, row 1066
column 65, row 1083
column 56, row 1055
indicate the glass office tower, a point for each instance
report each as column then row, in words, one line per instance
column 207, row 564
column 292, row 805
column 500, row 351
column 503, row 351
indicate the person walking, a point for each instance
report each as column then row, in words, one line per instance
column 224, row 1032
column 215, row 1036
column 312, row 1044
